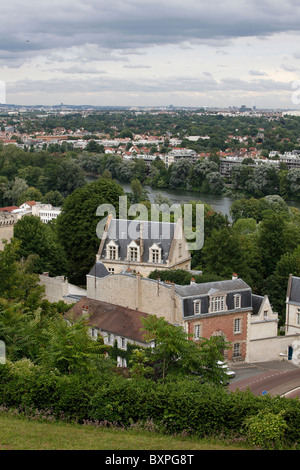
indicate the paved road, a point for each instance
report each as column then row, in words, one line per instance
column 274, row 378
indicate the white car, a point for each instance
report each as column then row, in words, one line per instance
column 230, row 373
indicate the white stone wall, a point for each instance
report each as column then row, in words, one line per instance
column 57, row 288
column 291, row 318
column 137, row 293
column 270, row 349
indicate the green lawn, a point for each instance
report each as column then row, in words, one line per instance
column 20, row 434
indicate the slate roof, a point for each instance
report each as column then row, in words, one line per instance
column 295, row 290
column 114, row 319
column 98, row 270
column 202, row 291
column 124, row 231
column 257, row 300
column 204, row 288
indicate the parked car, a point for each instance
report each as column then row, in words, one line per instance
column 230, row 373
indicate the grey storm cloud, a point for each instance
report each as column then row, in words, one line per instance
column 92, row 46
column 33, row 26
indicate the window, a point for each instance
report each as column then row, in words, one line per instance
column 111, row 270
column 237, row 325
column 155, row 255
column 123, row 343
column 236, row 350
column 197, row 307
column 112, row 252
column 237, row 301
column 217, row 303
column 197, row 332
column 94, row 333
column 121, row 362
column 133, row 253
column 298, row 317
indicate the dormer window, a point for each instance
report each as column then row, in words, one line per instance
column 155, row 254
column 197, row 307
column 133, row 252
column 112, row 250
column 237, row 301
column 217, row 302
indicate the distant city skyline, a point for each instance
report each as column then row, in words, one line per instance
column 151, row 53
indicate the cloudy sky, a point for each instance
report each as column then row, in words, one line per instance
column 151, row 52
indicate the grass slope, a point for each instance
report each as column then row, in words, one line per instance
column 20, row 434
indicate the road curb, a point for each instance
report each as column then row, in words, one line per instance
column 287, row 387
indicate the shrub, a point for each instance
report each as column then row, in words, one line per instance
column 266, row 430
column 182, row 406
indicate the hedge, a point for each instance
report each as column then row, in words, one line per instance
column 182, row 406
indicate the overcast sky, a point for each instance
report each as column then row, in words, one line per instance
column 150, row 52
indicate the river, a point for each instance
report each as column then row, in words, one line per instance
column 219, row 203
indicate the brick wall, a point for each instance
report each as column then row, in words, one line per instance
column 223, row 324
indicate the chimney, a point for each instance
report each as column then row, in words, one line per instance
column 85, row 310
column 192, row 282
column 234, row 276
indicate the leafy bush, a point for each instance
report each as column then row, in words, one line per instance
column 176, row 406
column 266, row 430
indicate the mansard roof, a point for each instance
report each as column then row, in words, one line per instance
column 203, row 291
column 196, row 290
column 123, row 232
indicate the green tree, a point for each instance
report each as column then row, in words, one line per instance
column 93, row 146
column 174, row 353
column 215, row 183
column 180, row 173
column 70, row 348
column 17, row 279
column 138, row 193
column 18, row 187
column 31, row 194
column 37, row 238
column 271, row 242
column 78, row 221
column 53, row 197
column 30, row 174
column 223, row 253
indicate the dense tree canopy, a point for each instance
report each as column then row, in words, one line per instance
column 78, row 221
column 37, row 238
